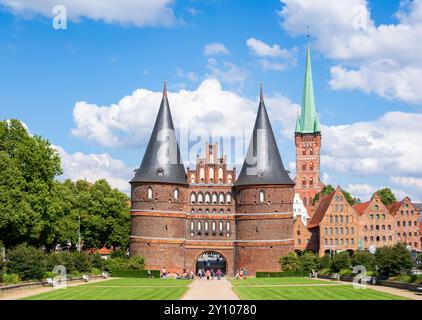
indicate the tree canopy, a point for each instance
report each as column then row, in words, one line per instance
column 327, row 189
column 41, row 211
column 387, row 196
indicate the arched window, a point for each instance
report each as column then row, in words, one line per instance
column 193, row 197
column 200, row 197
column 303, row 166
column 303, row 152
column 176, row 194
column 227, row 227
column 211, row 174
column 311, row 152
column 261, row 196
column 304, row 201
column 311, row 166
column 214, row 198
column 311, row 182
column 365, row 228
column 192, row 178
column 229, row 178
column 202, row 174
column 149, row 193
column 220, row 174
column 228, row 198
column 207, row 198
column 211, row 158
column 221, row 198
column 206, row 225
column 304, row 182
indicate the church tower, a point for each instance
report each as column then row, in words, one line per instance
column 308, row 143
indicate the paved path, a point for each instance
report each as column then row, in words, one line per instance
column 210, row 290
column 23, row 293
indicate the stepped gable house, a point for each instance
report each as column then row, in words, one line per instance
column 179, row 218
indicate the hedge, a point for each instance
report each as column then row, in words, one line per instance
column 260, row 274
column 135, row 273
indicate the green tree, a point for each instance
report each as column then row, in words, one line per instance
column 28, row 165
column 26, row 261
column 340, row 261
column 352, row 201
column 325, row 191
column 387, row 196
column 309, row 261
column 393, row 260
column 290, row 262
column 364, row 258
column 324, row 262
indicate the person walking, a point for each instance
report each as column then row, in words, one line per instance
column 218, row 274
column 208, row 274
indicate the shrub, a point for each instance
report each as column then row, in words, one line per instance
column 135, row 273
column 325, row 271
column 340, row 261
column 364, row 258
column 28, row 262
column 82, row 262
column 393, row 260
column 309, row 261
column 263, row 274
column 75, row 275
column 124, row 264
column 97, row 262
column 402, row 278
column 120, row 253
column 417, row 279
column 324, row 262
column 345, row 272
column 10, row 278
column 290, row 262
column 371, row 273
column 95, row 272
column 49, row 274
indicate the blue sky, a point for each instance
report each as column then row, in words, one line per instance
column 61, row 83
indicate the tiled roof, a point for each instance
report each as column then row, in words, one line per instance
column 394, row 206
column 321, row 210
column 104, row 251
column 361, row 207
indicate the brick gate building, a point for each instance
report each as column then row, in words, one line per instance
column 177, row 216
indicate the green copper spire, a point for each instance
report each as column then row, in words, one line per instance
column 308, row 121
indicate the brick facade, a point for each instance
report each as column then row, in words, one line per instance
column 308, row 183
column 250, row 226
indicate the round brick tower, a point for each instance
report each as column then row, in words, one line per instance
column 159, row 189
column 264, row 202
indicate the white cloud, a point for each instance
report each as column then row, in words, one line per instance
column 408, row 182
column 261, row 49
column 93, row 167
column 382, row 59
column 213, row 49
column 391, row 145
column 362, row 191
column 208, row 109
column 139, row 13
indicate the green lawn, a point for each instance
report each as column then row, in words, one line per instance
column 276, row 281
column 120, row 289
column 302, row 289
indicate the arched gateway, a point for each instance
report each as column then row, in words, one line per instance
column 211, row 260
column 213, row 220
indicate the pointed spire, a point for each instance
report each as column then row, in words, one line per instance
column 165, row 89
column 162, row 162
column 309, row 121
column 263, row 164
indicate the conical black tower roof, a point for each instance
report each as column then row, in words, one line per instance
column 263, row 164
column 162, row 162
